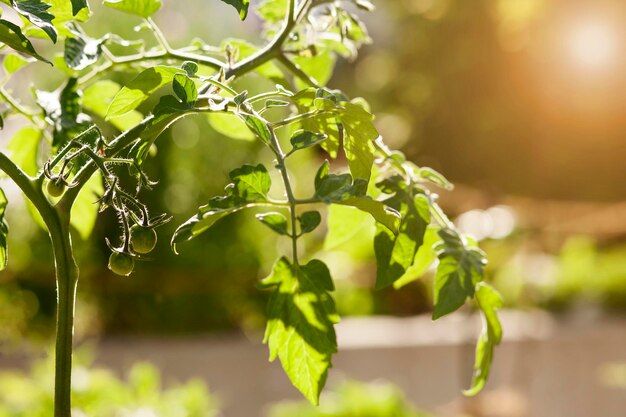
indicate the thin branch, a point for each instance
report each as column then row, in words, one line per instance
column 297, row 71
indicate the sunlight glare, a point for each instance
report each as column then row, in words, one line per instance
column 592, row 45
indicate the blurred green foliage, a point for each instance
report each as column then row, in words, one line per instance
column 353, row 399
column 98, row 392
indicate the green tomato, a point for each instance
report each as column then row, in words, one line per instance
column 142, row 239
column 121, row 263
column 55, row 188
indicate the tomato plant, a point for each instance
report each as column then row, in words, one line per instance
column 97, row 139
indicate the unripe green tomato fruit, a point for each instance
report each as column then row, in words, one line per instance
column 142, row 239
column 55, row 189
column 121, row 263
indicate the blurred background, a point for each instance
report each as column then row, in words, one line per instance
column 520, row 103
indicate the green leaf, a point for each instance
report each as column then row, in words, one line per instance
column 304, row 139
column 275, row 221
column 241, row 6
column 319, row 67
column 435, row 177
column 231, row 126
column 184, row 88
column 4, row 231
column 37, row 13
column 13, row 62
column 359, row 135
column 309, row 221
column 300, row 328
column 64, row 109
column 385, row 215
column 24, row 147
column 11, row 35
column 333, row 188
column 489, row 301
column 97, row 99
column 139, row 89
column 325, row 122
column 81, row 51
column 142, row 8
column 395, row 253
column 168, row 110
column 250, row 185
column 424, row 258
column 78, row 5
column 190, row 67
column 344, row 223
column 258, row 126
column 65, row 11
column 460, row 269
column 85, row 209
column 272, row 11
column 271, row 103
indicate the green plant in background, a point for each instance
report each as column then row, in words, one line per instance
column 97, row 140
column 353, row 399
column 98, row 392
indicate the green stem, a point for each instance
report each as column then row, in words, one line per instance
column 282, row 167
column 57, row 222
column 67, row 280
column 295, row 119
column 297, row 71
column 271, row 50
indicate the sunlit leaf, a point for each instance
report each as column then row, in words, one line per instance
column 184, row 88
column 85, row 209
column 300, row 331
column 424, row 258
column 241, row 6
column 359, row 135
column 143, row 8
column 13, row 62
column 11, row 35
column 275, row 221
column 489, row 301
column 258, row 126
column 460, row 269
column 97, row 98
column 140, row 88
column 250, row 185
column 24, row 148
column 395, row 252
column 78, row 5
column 81, row 51
column 304, row 139
column 230, row 125
column 37, row 13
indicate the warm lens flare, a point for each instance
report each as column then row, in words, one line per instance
column 593, row 45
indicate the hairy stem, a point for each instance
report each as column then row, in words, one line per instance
column 57, row 222
column 282, row 167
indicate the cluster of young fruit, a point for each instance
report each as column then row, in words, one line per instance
column 137, row 239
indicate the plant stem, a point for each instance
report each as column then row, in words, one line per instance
column 297, row 71
column 57, row 222
column 282, row 167
column 271, row 50
column 67, row 280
